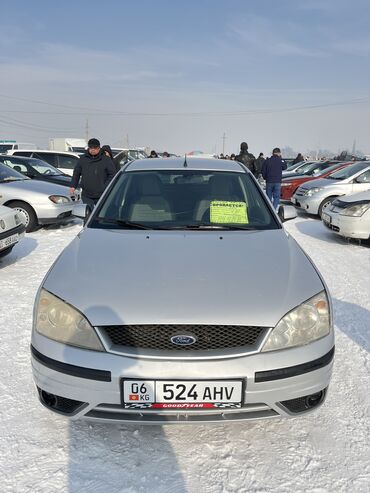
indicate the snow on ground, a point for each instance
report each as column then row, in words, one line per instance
column 327, row 451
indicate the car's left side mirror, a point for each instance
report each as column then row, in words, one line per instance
column 287, row 212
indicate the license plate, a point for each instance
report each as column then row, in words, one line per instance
column 7, row 242
column 181, row 394
column 326, row 218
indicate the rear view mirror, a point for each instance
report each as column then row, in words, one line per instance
column 287, row 212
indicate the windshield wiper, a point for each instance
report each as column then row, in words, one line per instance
column 129, row 224
column 215, row 226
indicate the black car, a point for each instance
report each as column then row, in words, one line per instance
column 36, row 169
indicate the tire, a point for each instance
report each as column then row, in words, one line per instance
column 6, row 251
column 324, row 203
column 27, row 213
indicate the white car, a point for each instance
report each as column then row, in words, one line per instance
column 11, row 229
column 349, row 216
column 64, row 161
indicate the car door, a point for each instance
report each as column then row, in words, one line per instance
column 361, row 182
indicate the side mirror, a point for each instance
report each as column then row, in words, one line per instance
column 81, row 211
column 287, row 212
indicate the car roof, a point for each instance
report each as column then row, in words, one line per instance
column 14, row 152
column 191, row 164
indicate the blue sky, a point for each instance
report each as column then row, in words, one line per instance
column 176, row 75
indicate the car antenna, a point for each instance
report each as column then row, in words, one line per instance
column 185, row 162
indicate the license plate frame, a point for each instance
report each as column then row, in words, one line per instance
column 9, row 241
column 326, row 218
column 159, row 404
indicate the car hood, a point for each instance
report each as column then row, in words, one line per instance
column 119, row 277
column 33, row 186
column 356, row 197
column 320, row 183
column 293, row 178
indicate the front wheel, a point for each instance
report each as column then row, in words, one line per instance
column 324, row 203
column 27, row 214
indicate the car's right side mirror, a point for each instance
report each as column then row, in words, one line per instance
column 82, row 211
column 287, row 212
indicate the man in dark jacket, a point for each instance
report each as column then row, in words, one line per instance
column 95, row 170
column 272, row 171
column 258, row 165
column 246, row 157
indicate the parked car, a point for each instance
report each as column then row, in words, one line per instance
column 36, row 169
column 290, row 185
column 11, row 230
column 296, row 167
column 64, row 161
column 36, row 202
column 309, row 169
column 312, row 197
column 349, row 216
column 175, row 317
column 8, row 145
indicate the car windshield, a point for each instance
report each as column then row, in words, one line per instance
column 184, row 199
column 348, row 171
column 296, row 166
column 331, row 168
column 9, row 174
column 43, row 167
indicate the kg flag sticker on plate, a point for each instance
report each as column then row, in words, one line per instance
column 224, row 212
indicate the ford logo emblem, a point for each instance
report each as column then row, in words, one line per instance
column 183, row 340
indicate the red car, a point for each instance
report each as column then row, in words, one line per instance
column 290, row 185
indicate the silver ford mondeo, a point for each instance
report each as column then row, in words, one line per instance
column 183, row 299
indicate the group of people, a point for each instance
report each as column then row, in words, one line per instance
column 97, row 167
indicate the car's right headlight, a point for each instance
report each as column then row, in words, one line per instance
column 304, row 324
column 61, row 322
column 312, row 191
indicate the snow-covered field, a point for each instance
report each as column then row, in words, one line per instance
column 327, row 451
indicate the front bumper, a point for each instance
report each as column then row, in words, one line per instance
column 55, row 213
column 18, row 230
column 347, row 226
column 92, row 380
column 308, row 204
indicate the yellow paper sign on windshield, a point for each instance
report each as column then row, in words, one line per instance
column 228, row 212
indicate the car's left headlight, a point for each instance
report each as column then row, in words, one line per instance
column 304, row 324
column 59, row 199
column 356, row 210
column 61, row 322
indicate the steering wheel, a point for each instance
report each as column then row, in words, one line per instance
column 48, row 172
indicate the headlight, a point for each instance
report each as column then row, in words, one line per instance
column 306, row 323
column 61, row 322
column 312, row 191
column 59, row 199
column 356, row 210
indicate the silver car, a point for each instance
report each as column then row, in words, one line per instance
column 314, row 196
column 36, row 202
column 349, row 216
column 11, row 230
column 193, row 304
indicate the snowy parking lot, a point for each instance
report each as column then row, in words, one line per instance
column 326, row 451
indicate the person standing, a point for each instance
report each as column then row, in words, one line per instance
column 272, row 172
column 258, row 165
column 298, row 159
column 108, row 152
column 94, row 170
column 246, row 157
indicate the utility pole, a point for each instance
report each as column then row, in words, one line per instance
column 223, row 143
column 87, row 130
column 354, row 148
column 127, row 142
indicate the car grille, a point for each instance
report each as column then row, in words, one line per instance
column 208, row 337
